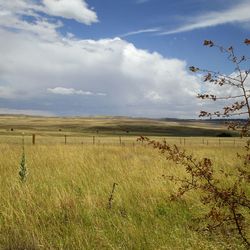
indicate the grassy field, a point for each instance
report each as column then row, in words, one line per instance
column 107, row 126
column 64, row 202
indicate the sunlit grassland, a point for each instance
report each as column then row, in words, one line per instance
column 75, row 126
column 64, row 202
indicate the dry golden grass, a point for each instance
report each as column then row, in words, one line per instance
column 64, row 203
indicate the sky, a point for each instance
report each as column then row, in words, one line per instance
column 114, row 57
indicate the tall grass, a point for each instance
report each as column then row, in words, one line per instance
column 63, row 204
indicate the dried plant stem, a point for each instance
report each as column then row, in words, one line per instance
column 111, row 197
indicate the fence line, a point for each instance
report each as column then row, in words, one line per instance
column 119, row 140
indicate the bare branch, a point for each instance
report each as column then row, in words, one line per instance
column 214, row 97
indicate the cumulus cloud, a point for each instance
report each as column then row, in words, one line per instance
column 13, row 15
column 73, row 9
column 238, row 13
column 42, row 70
column 135, row 81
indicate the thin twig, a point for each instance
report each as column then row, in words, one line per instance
column 111, row 197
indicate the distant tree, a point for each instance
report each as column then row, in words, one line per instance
column 224, row 134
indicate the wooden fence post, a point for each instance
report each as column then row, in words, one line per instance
column 65, row 139
column 93, row 140
column 33, row 139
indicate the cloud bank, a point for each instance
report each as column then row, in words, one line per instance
column 42, row 70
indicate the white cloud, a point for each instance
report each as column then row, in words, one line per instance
column 72, row 91
column 73, row 9
column 14, row 13
column 42, row 70
column 154, row 96
column 238, row 13
column 11, row 17
column 135, row 81
column 136, row 32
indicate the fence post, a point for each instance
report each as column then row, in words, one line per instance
column 65, row 139
column 120, row 139
column 33, row 139
column 93, row 140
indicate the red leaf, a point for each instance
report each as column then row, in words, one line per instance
column 247, row 41
column 193, row 69
column 208, row 43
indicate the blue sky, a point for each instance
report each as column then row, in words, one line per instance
column 113, row 57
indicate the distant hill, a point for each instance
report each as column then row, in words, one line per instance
column 103, row 125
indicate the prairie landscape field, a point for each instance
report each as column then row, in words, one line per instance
column 111, row 194
column 124, row 125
